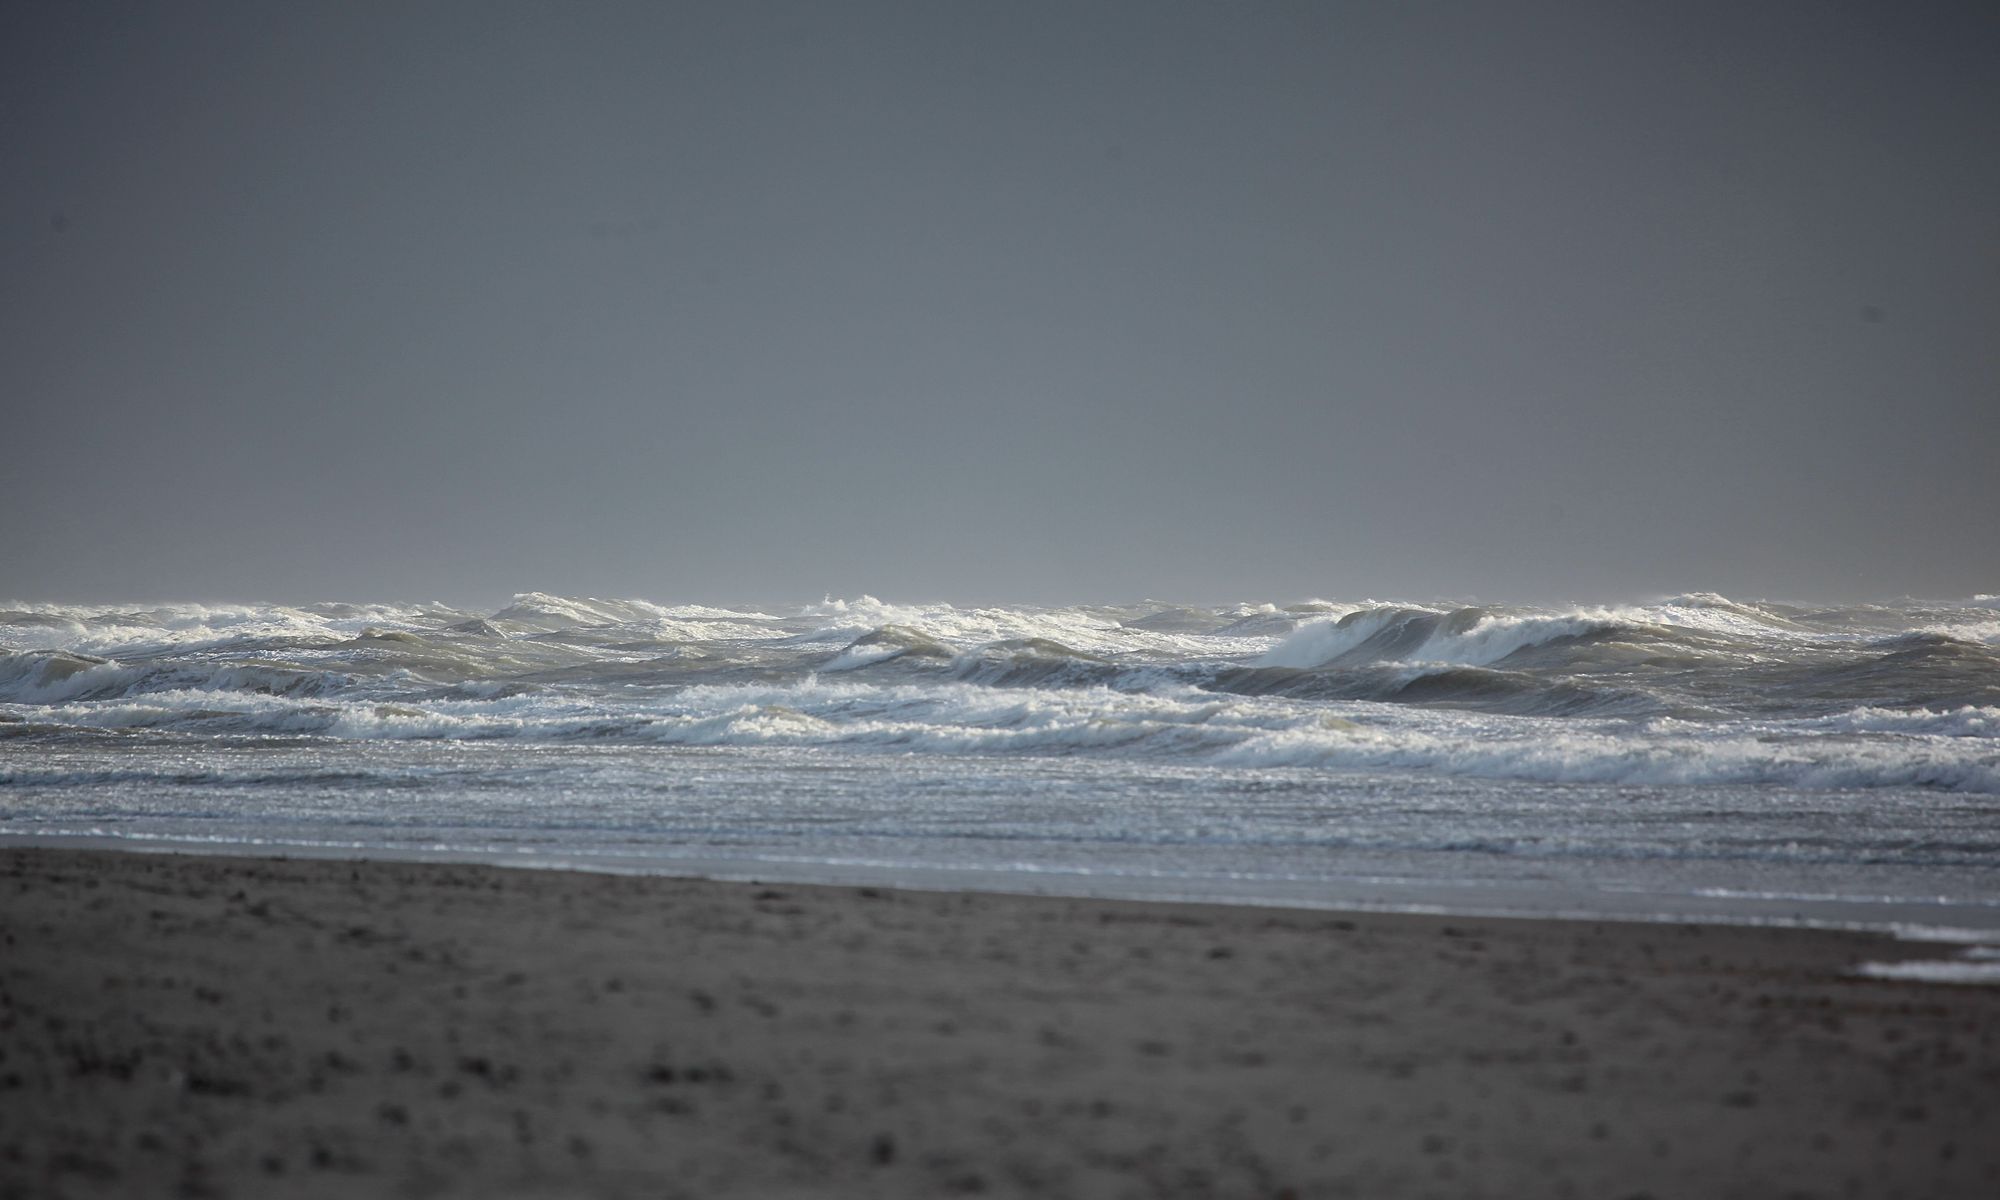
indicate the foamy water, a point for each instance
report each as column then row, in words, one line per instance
column 1696, row 755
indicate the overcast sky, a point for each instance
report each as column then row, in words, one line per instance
column 998, row 301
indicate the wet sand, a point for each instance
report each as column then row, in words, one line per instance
column 190, row 1026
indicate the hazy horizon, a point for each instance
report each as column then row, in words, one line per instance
column 487, row 604
column 1029, row 303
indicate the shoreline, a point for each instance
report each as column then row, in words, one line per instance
column 218, row 1026
column 1924, row 919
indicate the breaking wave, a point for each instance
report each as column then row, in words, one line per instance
column 1694, row 690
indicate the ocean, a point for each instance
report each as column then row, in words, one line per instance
column 1696, row 757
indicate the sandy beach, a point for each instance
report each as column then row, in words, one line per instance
column 174, row 1025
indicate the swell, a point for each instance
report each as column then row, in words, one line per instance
column 1485, row 637
column 550, row 667
column 1955, row 751
column 57, row 677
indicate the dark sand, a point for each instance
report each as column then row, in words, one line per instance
column 241, row 1027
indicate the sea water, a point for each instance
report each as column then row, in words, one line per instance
column 1697, row 757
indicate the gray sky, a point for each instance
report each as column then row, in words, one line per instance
column 1001, row 301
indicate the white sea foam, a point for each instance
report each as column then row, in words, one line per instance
column 1478, row 637
column 1144, row 682
column 1967, row 631
column 1977, row 971
column 1861, row 749
column 1966, row 721
column 1319, row 642
column 1771, row 756
column 1494, row 637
